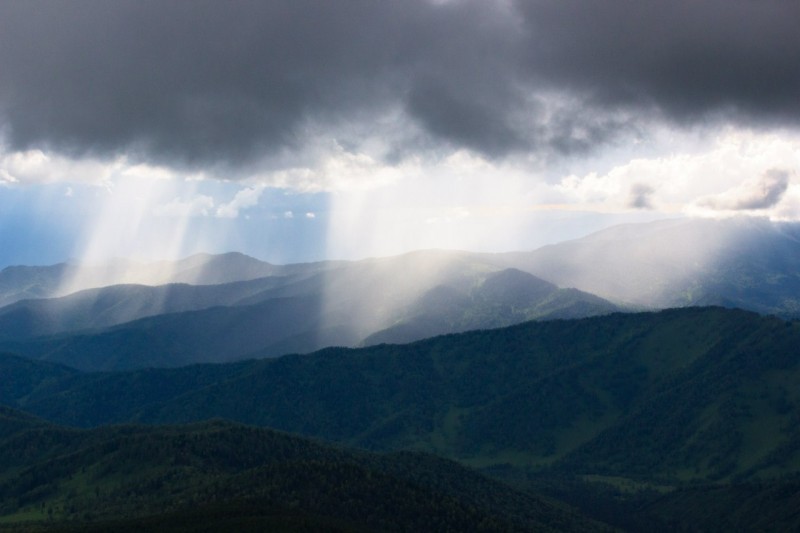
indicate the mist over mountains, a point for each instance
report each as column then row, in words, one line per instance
column 437, row 342
column 658, row 264
column 299, row 308
column 743, row 262
column 210, row 308
column 550, row 370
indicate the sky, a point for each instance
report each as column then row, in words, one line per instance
column 301, row 130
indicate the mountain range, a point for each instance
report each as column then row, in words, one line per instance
column 396, row 299
column 222, row 308
column 592, row 395
column 642, row 378
column 618, row 415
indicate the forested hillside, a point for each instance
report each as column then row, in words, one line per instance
column 217, row 475
column 700, row 393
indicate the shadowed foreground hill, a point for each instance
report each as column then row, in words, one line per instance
column 216, row 476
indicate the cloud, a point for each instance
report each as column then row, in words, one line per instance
column 761, row 193
column 247, row 197
column 686, row 59
column 242, row 89
column 6, row 178
column 200, row 205
column 37, row 166
column 640, row 196
column 716, row 177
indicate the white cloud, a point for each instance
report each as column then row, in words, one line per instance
column 336, row 169
column 6, row 178
column 200, row 205
column 759, row 193
column 36, row 166
column 245, row 198
column 686, row 182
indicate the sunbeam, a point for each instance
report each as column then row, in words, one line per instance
column 127, row 229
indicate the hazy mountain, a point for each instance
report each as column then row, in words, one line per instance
column 741, row 262
column 218, row 334
column 21, row 282
column 746, row 262
column 117, row 304
column 28, row 282
column 503, row 298
column 218, row 476
column 382, row 300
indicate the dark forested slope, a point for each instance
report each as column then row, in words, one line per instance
column 218, row 475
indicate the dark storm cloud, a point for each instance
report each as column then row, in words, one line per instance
column 685, row 58
column 223, row 83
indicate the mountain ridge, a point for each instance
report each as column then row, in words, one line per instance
column 273, row 317
column 563, row 392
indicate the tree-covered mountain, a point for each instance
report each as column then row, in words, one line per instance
column 704, row 394
column 627, row 416
column 222, row 476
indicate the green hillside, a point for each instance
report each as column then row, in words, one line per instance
column 217, row 475
column 618, row 415
column 702, row 394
